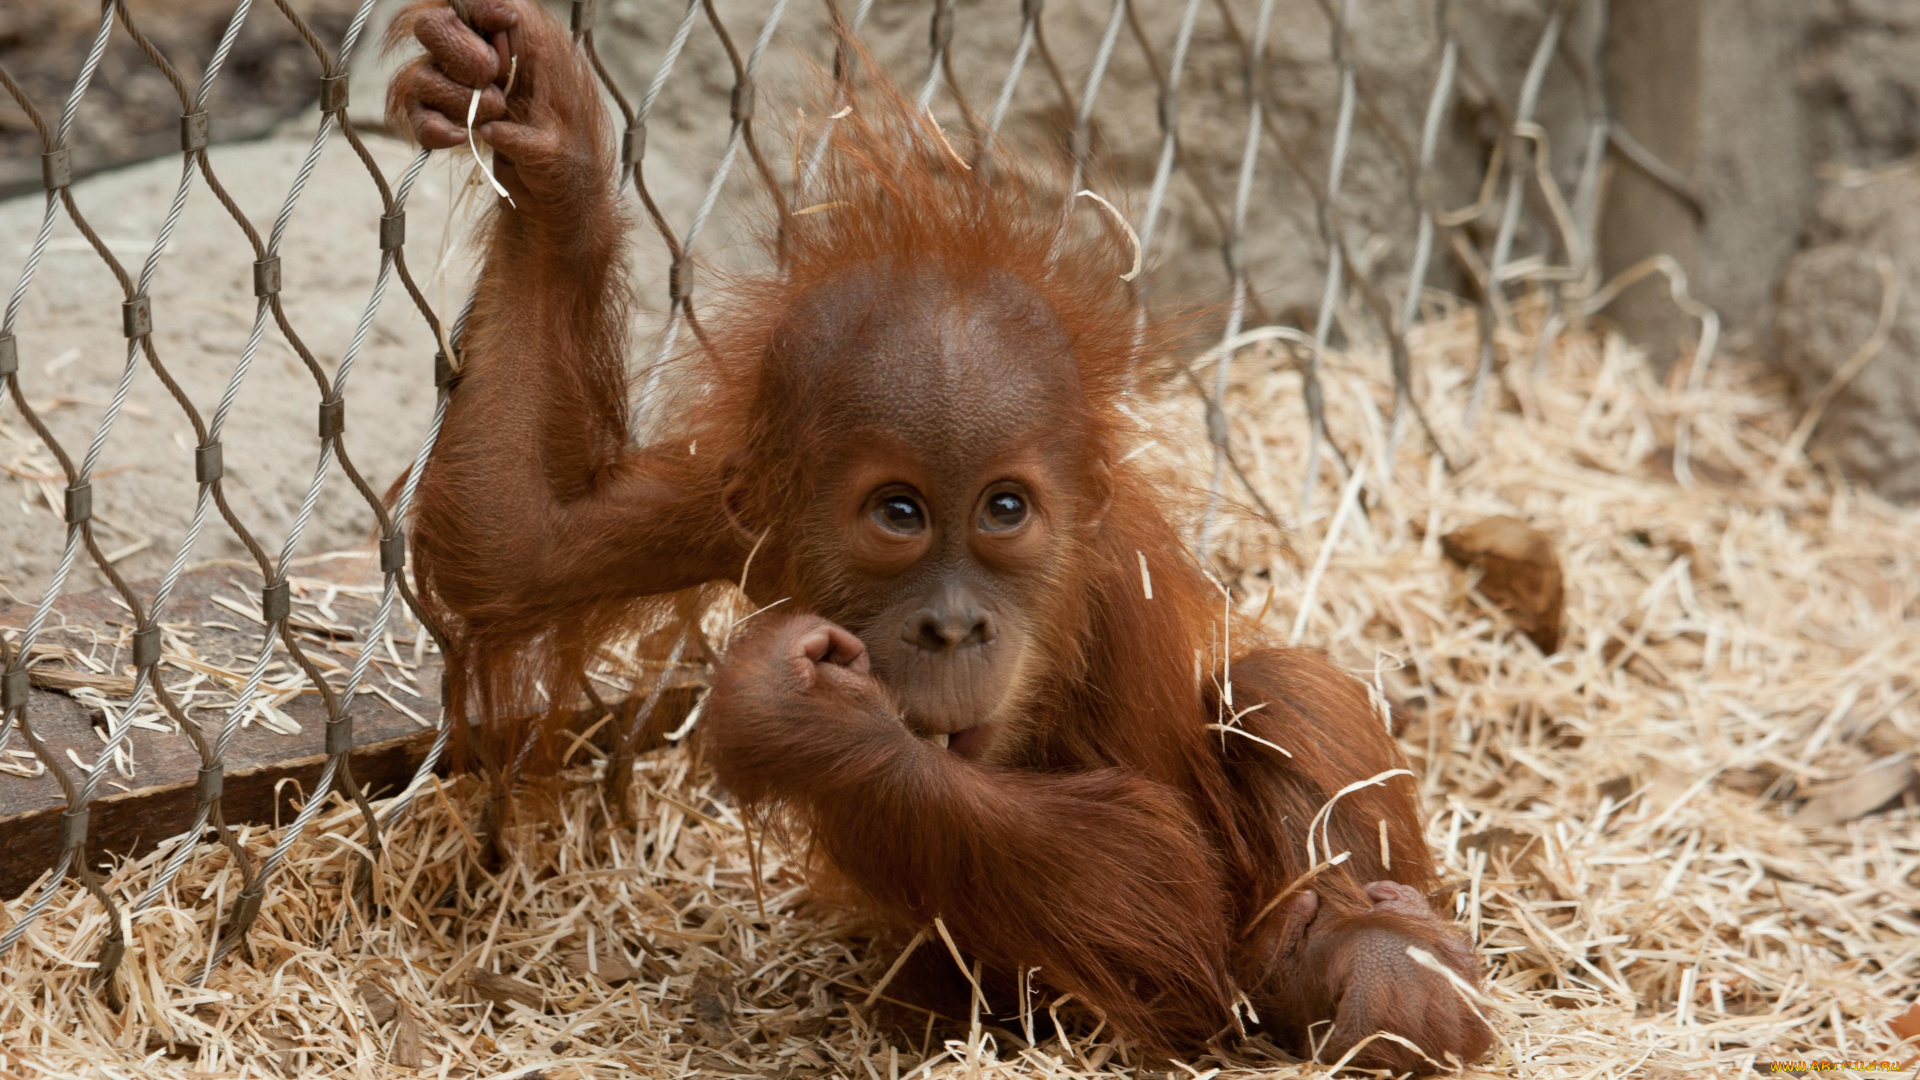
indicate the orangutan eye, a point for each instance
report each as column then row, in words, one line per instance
column 900, row 514
column 1004, row 510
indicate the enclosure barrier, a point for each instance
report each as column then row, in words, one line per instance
column 1517, row 182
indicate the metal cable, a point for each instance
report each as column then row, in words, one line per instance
column 1217, row 432
column 680, row 309
column 1519, row 166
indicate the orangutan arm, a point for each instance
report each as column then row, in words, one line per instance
column 1334, row 948
column 533, row 500
column 1100, row 879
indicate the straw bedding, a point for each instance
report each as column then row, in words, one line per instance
column 1687, row 842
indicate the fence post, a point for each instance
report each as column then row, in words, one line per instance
column 1652, row 57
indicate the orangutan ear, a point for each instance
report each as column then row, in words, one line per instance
column 1099, row 494
column 736, row 498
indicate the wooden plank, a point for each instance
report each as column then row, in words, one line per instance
column 211, row 614
column 131, row 814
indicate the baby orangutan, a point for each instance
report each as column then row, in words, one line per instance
column 971, row 702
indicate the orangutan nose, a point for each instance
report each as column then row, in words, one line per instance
column 947, row 624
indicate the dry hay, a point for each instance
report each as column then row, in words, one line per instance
column 1659, row 835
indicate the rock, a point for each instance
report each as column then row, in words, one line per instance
column 505, row 990
column 382, row 1006
column 1860, row 76
column 1830, row 302
column 1906, row 1026
column 712, row 996
column 609, row 966
column 1861, row 794
column 1519, row 572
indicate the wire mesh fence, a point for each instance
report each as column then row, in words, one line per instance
column 1523, row 232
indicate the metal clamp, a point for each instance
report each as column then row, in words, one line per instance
column 1234, row 251
column 333, row 93
column 193, row 132
column 146, row 647
column 742, row 100
column 393, row 552
column 14, row 686
column 633, row 145
column 208, row 463
column 333, row 417
column 247, row 910
column 583, row 12
column 79, row 502
column 340, row 736
column 680, row 279
column 1217, row 431
column 136, row 317
column 73, row 828
column 266, row 276
column 276, row 603
column 56, row 169
column 9, row 355
column 940, row 34
column 209, row 783
column 393, row 230
column 443, row 370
